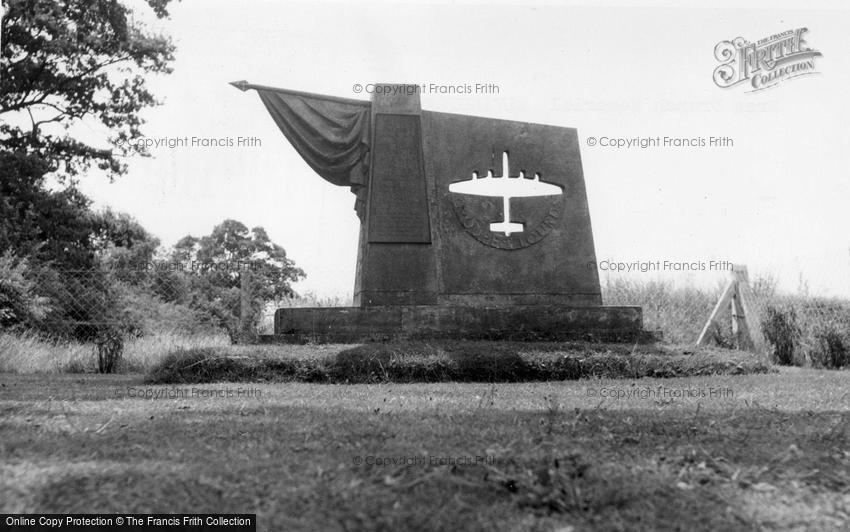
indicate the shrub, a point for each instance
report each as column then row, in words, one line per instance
column 20, row 305
column 207, row 364
column 782, row 332
column 185, row 365
column 831, row 348
column 152, row 314
column 109, row 345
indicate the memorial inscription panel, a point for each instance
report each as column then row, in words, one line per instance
column 398, row 211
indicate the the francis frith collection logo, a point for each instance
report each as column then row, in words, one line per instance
column 764, row 63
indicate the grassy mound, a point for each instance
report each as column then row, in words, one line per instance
column 446, row 362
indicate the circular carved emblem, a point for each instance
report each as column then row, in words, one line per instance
column 539, row 215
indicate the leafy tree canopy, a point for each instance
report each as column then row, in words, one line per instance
column 65, row 61
column 232, row 248
column 48, row 226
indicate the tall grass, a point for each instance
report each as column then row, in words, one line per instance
column 809, row 331
column 30, row 353
column 307, row 299
column 311, row 299
column 797, row 329
column 141, row 354
column 679, row 312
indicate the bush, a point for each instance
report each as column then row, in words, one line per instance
column 152, row 314
column 188, row 365
column 831, row 349
column 208, row 364
column 109, row 345
column 20, row 305
column 782, row 332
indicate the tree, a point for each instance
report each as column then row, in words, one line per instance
column 64, row 62
column 213, row 267
column 123, row 246
column 231, row 247
column 89, row 286
column 47, row 226
column 20, row 304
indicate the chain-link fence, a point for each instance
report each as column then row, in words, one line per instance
column 86, row 304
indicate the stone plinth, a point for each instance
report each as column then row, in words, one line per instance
column 422, row 322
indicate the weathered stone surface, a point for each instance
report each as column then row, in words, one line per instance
column 396, row 262
column 547, row 263
column 425, row 244
column 522, row 323
column 398, row 202
column 472, row 228
column 397, row 274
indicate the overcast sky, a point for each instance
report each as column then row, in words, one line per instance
column 776, row 200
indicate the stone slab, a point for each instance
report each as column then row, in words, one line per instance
column 398, row 203
column 419, row 322
column 553, row 260
column 396, row 262
column 422, row 244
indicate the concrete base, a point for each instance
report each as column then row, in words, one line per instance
column 518, row 323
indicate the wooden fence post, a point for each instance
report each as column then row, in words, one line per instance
column 246, row 312
column 745, row 322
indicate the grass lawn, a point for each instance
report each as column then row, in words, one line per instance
column 743, row 452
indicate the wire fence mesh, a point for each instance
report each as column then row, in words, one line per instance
column 84, row 303
column 794, row 328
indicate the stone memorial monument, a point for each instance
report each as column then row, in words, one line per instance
column 470, row 227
